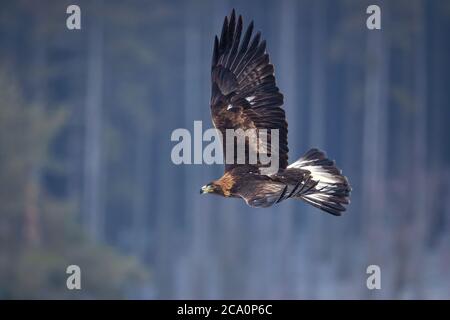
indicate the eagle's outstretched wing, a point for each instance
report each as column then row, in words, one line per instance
column 244, row 93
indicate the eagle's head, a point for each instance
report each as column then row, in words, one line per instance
column 221, row 186
column 212, row 188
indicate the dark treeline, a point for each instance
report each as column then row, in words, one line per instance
column 86, row 176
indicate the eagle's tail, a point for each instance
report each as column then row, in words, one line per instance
column 332, row 191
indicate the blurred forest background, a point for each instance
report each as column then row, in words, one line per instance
column 86, row 175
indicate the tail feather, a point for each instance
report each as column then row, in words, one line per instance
column 332, row 191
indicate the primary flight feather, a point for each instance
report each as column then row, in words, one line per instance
column 245, row 97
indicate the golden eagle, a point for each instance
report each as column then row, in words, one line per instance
column 245, row 96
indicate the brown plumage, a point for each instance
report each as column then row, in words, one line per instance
column 245, row 96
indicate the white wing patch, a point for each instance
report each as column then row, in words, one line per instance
column 249, row 99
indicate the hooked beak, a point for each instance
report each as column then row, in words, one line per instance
column 206, row 189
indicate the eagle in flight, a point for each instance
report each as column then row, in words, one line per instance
column 245, row 96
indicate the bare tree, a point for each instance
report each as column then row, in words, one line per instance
column 93, row 214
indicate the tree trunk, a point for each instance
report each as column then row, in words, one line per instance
column 93, row 205
column 419, row 160
column 32, row 188
column 374, row 141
